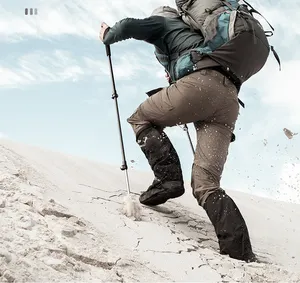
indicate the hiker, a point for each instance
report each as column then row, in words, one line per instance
column 205, row 95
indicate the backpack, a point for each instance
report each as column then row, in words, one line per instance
column 216, row 20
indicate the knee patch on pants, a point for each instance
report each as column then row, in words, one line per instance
column 138, row 122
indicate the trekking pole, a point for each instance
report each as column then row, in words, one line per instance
column 131, row 209
column 115, row 97
column 186, row 129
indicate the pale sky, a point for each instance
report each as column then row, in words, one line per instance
column 55, row 90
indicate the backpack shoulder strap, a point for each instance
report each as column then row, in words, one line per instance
column 255, row 11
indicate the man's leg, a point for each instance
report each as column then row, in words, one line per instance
column 211, row 152
column 158, row 149
column 180, row 103
column 165, row 164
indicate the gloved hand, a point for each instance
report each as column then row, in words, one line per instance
column 167, row 76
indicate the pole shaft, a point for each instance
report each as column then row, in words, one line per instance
column 115, row 97
column 189, row 137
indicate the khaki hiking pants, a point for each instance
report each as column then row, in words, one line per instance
column 209, row 100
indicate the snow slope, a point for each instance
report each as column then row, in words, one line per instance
column 61, row 220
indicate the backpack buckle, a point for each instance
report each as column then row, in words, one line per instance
column 269, row 33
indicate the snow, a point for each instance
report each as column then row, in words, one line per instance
column 62, row 220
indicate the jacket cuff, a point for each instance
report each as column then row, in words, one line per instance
column 105, row 33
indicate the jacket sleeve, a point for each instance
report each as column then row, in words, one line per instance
column 148, row 29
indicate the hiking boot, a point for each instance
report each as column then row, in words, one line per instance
column 230, row 226
column 251, row 258
column 165, row 163
column 159, row 193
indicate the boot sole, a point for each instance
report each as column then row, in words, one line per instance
column 160, row 197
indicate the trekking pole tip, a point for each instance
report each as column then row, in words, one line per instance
column 131, row 208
